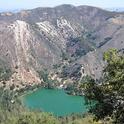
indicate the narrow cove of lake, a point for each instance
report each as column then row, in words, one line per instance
column 55, row 101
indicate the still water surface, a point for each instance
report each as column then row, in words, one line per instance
column 55, row 101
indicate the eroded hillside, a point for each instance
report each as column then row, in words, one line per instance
column 63, row 37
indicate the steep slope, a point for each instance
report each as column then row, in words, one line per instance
column 33, row 40
column 111, row 36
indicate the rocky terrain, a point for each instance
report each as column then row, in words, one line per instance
column 66, row 40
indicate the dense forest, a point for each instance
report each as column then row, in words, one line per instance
column 108, row 94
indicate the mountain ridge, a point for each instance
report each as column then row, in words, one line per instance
column 17, row 10
column 33, row 40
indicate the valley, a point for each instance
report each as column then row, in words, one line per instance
column 59, row 60
column 52, row 39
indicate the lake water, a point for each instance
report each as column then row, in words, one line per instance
column 55, row 101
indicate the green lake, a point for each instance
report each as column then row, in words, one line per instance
column 55, row 101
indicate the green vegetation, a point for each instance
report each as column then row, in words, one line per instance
column 109, row 94
column 48, row 82
column 71, row 71
column 64, row 56
column 5, row 74
column 31, row 118
column 77, row 47
column 44, row 75
column 105, row 41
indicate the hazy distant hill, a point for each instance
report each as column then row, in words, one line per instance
column 116, row 9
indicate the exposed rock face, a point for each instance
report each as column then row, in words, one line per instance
column 35, row 39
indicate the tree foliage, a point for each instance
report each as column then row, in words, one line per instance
column 109, row 94
column 49, row 83
column 5, row 73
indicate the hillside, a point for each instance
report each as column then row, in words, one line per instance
column 66, row 36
